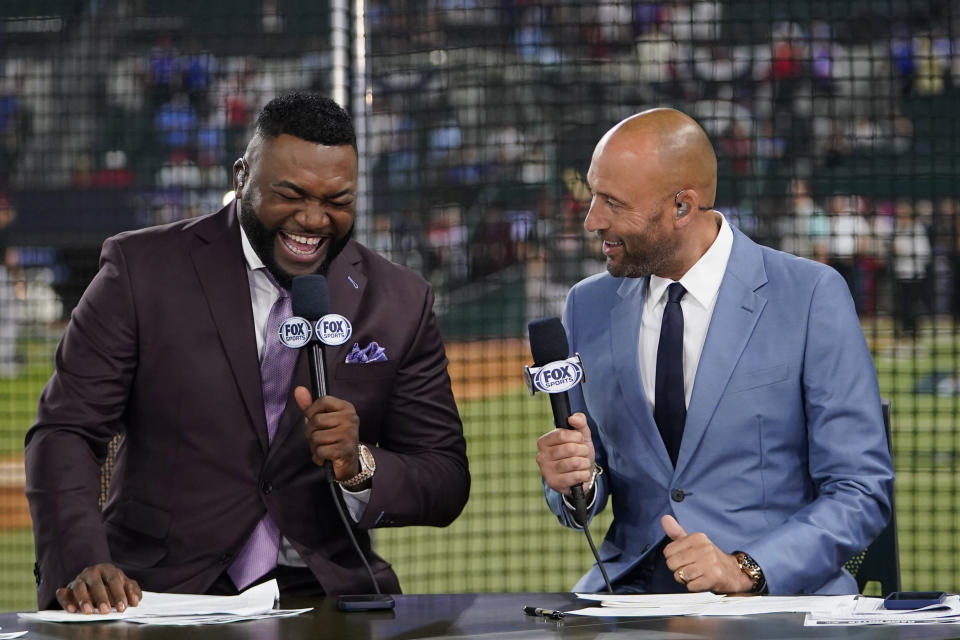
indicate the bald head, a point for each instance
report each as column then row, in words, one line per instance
column 683, row 153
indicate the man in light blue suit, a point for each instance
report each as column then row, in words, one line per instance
column 768, row 444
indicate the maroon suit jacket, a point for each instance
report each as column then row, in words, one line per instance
column 161, row 348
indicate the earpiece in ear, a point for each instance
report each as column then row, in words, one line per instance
column 240, row 178
column 682, row 209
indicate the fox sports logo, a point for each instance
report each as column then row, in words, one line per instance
column 559, row 376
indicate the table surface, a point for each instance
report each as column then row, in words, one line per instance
column 487, row 615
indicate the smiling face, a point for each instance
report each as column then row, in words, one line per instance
column 630, row 212
column 298, row 203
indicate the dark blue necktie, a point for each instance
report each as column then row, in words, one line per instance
column 669, row 408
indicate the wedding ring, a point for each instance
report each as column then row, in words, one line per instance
column 683, row 578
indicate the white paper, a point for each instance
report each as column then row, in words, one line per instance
column 161, row 608
column 871, row 611
column 757, row 605
column 710, row 604
column 643, row 605
column 179, row 621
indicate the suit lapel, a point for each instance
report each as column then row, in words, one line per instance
column 221, row 269
column 347, row 283
column 625, row 318
column 734, row 318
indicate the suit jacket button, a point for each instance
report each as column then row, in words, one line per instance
column 678, row 495
column 266, row 487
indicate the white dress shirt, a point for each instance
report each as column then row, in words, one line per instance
column 702, row 282
column 263, row 294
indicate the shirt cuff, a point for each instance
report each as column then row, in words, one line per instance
column 356, row 502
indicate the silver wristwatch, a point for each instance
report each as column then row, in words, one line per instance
column 368, row 465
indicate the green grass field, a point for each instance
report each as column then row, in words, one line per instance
column 507, row 540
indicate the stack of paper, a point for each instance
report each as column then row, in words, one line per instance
column 872, row 611
column 709, row 604
column 820, row 610
column 179, row 609
column 647, row 605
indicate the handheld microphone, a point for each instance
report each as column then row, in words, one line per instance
column 310, row 299
column 555, row 372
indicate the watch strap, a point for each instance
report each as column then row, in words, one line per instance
column 752, row 570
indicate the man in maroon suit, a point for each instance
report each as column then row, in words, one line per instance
column 212, row 491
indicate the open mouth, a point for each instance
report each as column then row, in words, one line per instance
column 302, row 246
column 610, row 246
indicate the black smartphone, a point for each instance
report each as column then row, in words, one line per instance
column 913, row 599
column 370, row 602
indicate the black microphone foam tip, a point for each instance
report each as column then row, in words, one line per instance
column 548, row 341
column 310, row 297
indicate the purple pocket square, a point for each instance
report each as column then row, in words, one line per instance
column 370, row 353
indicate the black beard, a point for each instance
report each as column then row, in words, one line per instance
column 263, row 241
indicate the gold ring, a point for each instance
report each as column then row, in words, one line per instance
column 683, row 578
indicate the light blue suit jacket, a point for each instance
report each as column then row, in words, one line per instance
column 783, row 455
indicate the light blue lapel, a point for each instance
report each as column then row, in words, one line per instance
column 625, row 319
column 734, row 318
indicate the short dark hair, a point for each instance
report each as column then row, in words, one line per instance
column 308, row 116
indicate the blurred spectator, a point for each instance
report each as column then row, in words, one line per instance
column 532, row 43
column 447, row 240
column 14, row 128
column 491, row 247
column 176, row 124
column 9, row 266
column 910, row 255
column 163, row 66
column 199, row 68
column 381, row 237
column 804, row 230
column 849, row 240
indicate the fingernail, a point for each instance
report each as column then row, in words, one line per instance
column 121, row 606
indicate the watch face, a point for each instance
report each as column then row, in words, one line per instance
column 367, row 461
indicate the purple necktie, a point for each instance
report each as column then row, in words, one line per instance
column 259, row 554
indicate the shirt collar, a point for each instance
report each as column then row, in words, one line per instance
column 702, row 280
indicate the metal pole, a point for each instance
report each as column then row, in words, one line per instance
column 362, row 97
column 340, row 45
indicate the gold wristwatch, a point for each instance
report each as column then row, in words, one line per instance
column 367, row 466
column 752, row 570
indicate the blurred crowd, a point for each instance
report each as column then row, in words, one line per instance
column 482, row 115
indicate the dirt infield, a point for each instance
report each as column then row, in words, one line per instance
column 484, row 368
column 14, row 513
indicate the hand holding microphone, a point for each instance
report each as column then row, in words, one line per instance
column 332, row 425
column 333, row 432
column 566, row 456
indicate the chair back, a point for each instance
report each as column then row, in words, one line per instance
column 880, row 562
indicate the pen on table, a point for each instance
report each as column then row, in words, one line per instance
column 543, row 613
